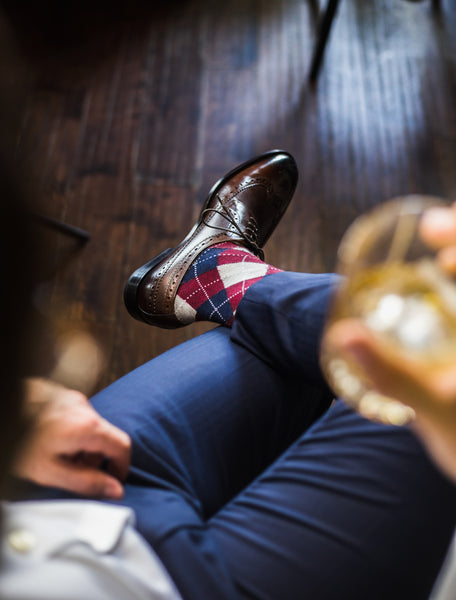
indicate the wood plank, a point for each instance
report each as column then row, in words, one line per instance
column 133, row 127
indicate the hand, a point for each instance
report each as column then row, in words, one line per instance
column 438, row 230
column 69, row 442
column 431, row 394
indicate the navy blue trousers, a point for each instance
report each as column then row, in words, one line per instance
column 249, row 483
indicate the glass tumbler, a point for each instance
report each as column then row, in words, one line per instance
column 393, row 284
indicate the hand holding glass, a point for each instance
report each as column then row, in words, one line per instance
column 393, row 284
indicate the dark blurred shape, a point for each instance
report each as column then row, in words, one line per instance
column 64, row 28
column 18, row 255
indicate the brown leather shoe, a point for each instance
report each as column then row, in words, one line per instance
column 243, row 207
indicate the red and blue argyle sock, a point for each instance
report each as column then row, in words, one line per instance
column 216, row 282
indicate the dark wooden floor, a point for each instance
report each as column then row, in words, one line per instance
column 132, row 122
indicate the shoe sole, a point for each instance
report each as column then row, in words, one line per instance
column 134, row 281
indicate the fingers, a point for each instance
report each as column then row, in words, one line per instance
column 82, row 480
column 438, row 230
column 438, row 226
column 389, row 373
column 447, row 259
column 78, row 428
column 71, row 446
column 103, row 438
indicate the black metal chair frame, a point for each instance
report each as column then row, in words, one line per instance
column 324, row 28
column 80, row 234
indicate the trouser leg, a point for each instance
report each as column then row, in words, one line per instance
column 205, row 419
column 350, row 499
column 280, row 320
column 353, row 509
column 210, row 414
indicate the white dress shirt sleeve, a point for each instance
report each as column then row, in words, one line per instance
column 77, row 550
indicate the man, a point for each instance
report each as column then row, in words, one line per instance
column 243, row 483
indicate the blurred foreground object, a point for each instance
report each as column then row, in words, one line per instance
column 394, row 286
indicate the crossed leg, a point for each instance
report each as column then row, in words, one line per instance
column 245, row 490
column 206, row 419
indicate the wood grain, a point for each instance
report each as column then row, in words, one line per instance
column 133, row 122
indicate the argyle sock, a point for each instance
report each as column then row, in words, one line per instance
column 216, row 282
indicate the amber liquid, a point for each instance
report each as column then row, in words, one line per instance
column 411, row 308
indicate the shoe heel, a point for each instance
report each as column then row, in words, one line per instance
column 131, row 287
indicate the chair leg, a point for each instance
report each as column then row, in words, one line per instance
column 81, row 234
column 323, row 34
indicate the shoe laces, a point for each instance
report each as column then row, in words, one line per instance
column 249, row 236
